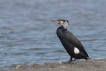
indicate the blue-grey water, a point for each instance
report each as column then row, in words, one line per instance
column 27, row 34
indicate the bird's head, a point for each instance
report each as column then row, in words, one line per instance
column 62, row 22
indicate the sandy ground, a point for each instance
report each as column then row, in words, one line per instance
column 90, row 65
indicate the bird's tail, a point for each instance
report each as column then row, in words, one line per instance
column 88, row 58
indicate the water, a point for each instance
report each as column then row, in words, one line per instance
column 28, row 36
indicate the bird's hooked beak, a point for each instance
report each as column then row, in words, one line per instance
column 55, row 21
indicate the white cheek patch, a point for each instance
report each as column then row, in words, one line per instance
column 65, row 25
column 76, row 50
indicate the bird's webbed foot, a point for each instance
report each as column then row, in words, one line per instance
column 70, row 60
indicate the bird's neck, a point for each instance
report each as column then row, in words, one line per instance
column 63, row 27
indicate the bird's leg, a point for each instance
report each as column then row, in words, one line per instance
column 74, row 59
column 70, row 60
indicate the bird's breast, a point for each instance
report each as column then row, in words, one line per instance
column 60, row 33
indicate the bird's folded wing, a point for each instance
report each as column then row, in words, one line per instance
column 75, row 42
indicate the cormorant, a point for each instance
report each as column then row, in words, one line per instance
column 72, row 45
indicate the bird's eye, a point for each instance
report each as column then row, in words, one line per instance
column 67, row 21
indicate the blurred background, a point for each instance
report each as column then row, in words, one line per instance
column 27, row 34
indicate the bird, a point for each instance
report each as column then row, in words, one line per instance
column 72, row 45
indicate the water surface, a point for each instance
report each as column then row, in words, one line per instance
column 28, row 36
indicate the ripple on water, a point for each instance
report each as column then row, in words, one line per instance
column 28, row 36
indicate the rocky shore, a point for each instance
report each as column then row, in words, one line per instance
column 90, row 65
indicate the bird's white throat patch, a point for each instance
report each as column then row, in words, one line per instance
column 76, row 50
column 65, row 25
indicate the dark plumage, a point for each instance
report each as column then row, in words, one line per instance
column 72, row 45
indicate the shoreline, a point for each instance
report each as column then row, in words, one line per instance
column 90, row 65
